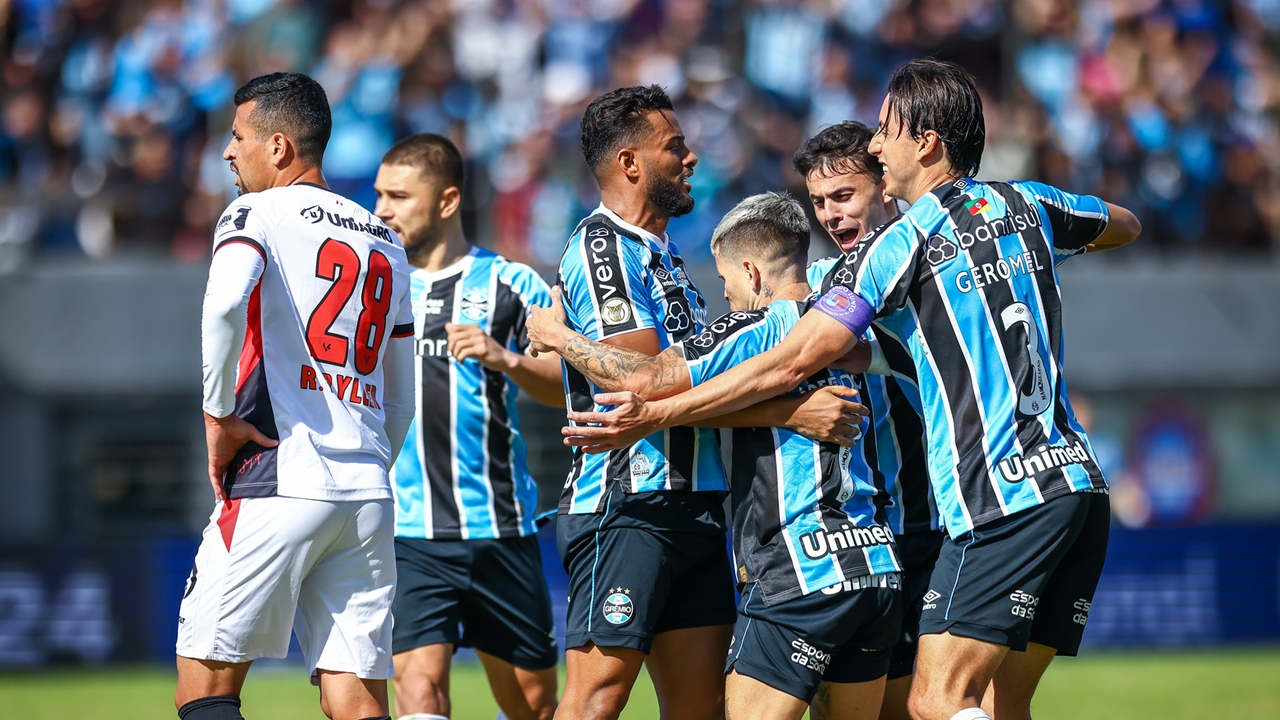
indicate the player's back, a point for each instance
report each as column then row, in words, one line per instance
column 333, row 290
column 967, row 278
column 805, row 518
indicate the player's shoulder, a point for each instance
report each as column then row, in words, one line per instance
column 518, row 276
column 601, row 248
column 599, row 233
column 725, row 327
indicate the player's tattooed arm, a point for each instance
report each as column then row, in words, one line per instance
column 620, row 369
column 620, row 365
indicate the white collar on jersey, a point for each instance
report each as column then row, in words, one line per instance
column 661, row 242
column 444, row 272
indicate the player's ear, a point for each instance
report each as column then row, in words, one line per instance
column 281, row 149
column 753, row 274
column 450, row 202
column 928, row 144
column 628, row 162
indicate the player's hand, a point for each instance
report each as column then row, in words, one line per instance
column 470, row 341
column 224, row 437
column 632, row 419
column 829, row 414
column 857, row 360
column 546, row 326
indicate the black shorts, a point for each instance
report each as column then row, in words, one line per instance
column 917, row 552
column 1028, row 577
column 794, row 646
column 495, row 589
column 629, row 582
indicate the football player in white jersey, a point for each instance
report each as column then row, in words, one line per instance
column 308, row 394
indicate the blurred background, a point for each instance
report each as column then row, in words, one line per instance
column 113, row 117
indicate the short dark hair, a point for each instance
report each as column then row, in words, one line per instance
column 936, row 95
column 839, row 149
column 292, row 104
column 617, row 119
column 435, row 156
column 770, row 228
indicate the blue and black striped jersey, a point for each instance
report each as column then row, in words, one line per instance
column 966, row 278
column 616, row 279
column 462, row 473
column 804, row 515
column 893, row 448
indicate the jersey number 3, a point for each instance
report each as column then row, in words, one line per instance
column 1036, row 400
column 338, row 263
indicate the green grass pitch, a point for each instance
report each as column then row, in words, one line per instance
column 1236, row 684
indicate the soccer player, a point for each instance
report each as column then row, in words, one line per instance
column 968, row 275
column 817, row 572
column 466, row 550
column 642, row 529
column 307, row 396
column 846, row 186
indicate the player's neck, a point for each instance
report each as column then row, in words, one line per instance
column 930, row 178
column 296, row 176
column 775, row 289
column 636, row 209
column 452, row 248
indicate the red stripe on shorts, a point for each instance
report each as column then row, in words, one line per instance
column 227, row 521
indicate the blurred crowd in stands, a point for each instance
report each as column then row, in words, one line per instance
column 114, row 113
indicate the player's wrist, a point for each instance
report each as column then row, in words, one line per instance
column 212, row 417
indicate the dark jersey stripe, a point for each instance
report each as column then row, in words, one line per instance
column 242, row 240
column 913, row 471
column 605, row 276
column 436, row 439
column 506, row 309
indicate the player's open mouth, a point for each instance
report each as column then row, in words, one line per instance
column 846, row 238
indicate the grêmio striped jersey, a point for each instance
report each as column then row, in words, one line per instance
column 617, row 279
column 462, row 473
column 892, row 452
column 804, row 516
column 966, row 277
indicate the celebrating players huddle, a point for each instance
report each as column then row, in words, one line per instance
column 919, row 523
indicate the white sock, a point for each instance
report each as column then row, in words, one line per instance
column 971, row 714
column 422, row 716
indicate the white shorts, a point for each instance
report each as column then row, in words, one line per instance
column 326, row 570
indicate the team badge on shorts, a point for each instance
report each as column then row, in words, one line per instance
column 618, row 608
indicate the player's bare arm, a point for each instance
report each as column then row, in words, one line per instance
column 1122, row 228
column 815, row 342
column 233, row 274
column 824, row 415
column 540, row 377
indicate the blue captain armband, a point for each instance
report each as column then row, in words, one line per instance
column 848, row 308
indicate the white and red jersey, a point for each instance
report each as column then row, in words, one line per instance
column 306, row 305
